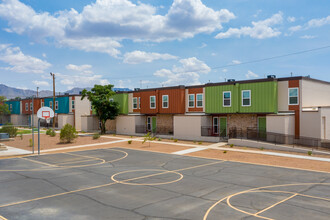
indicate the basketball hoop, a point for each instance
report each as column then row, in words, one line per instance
column 47, row 120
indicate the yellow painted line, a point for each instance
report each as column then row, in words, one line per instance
column 95, row 187
column 253, row 190
column 3, row 218
column 39, row 162
column 275, row 204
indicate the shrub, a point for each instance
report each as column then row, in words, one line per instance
column 200, row 142
column 130, row 141
column 310, row 153
column 49, row 131
column 68, row 133
column 194, row 142
column 225, row 152
column 175, row 140
column 231, row 145
column 9, row 129
column 262, row 148
column 30, row 142
column 159, row 139
column 114, row 135
column 172, row 139
column 52, row 133
column 96, row 136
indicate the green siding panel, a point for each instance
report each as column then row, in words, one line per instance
column 122, row 99
column 263, row 98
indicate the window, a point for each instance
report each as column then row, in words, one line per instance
column 26, row 106
column 134, row 103
column 111, row 100
column 11, row 107
column 72, row 104
column 51, row 104
column 226, row 99
column 139, row 102
column 165, row 101
column 191, row 101
column 199, row 100
column 31, row 106
column 152, row 101
column 215, row 125
column 293, row 96
column 42, row 104
column 246, row 98
column 149, row 123
column 56, row 105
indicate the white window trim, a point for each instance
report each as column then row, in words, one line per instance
column 192, row 100
column 223, row 99
column 150, row 102
column 73, row 104
column 197, row 100
column 134, row 98
column 26, row 106
column 11, row 107
column 31, row 106
column 56, row 105
column 166, row 101
column 51, row 104
column 139, row 102
column 250, row 98
column 293, row 96
column 42, row 104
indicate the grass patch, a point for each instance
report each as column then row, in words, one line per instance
column 310, row 153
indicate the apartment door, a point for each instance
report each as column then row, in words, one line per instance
column 262, row 126
column 215, row 129
column 149, row 125
column 223, row 127
column 154, row 125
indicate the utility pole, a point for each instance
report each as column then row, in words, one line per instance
column 53, row 75
column 37, row 92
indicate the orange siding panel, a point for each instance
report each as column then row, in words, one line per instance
column 195, row 91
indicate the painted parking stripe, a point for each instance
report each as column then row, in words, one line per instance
column 187, row 151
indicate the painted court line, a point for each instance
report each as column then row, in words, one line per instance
column 187, row 151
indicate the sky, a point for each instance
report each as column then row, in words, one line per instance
column 154, row 43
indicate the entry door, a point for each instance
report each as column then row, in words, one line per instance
column 154, row 123
column 223, row 127
column 215, row 125
column 148, row 124
column 262, row 126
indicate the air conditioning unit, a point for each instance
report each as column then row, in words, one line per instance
column 271, row 77
column 136, row 89
column 231, row 80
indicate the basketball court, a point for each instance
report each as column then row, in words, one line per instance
column 119, row 183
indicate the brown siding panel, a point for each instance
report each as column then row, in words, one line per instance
column 195, row 91
column 176, row 101
column 296, row 108
column 145, row 102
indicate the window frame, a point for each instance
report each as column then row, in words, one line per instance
column 193, row 100
column 197, row 106
column 297, row 88
column 139, row 102
column 31, row 106
column 42, row 104
column 249, row 98
column 26, row 106
column 56, row 105
column 10, row 107
column 152, row 102
column 111, row 100
column 223, row 99
column 215, row 125
column 164, row 101
column 51, row 104
column 73, row 103
column 134, row 99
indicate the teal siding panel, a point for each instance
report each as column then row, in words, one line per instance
column 63, row 104
column 16, row 107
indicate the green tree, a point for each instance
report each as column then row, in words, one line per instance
column 4, row 108
column 99, row 96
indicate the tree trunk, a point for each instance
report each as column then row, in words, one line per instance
column 102, row 126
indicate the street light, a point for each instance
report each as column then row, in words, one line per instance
column 53, row 75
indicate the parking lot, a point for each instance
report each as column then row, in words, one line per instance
column 118, row 183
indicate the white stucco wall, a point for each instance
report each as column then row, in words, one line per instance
column 82, row 107
column 281, row 124
column 125, row 124
column 19, row 119
column 89, row 123
column 64, row 119
column 283, row 96
column 310, row 124
column 187, row 127
column 314, row 93
column 325, row 128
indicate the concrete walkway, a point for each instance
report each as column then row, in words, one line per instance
column 11, row 151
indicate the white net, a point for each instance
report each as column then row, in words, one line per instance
column 48, row 120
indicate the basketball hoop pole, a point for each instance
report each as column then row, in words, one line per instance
column 38, row 136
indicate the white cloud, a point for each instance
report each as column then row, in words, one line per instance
column 137, row 57
column 19, row 62
column 80, row 80
column 251, row 74
column 259, row 30
column 313, row 23
column 236, row 62
column 291, row 19
column 44, row 55
column 308, row 37
column 203, row 45
column 213, row 54
column 224, row 70
column 101, row 25
column 186, row 74
column 40, row 83
column 80, row 68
